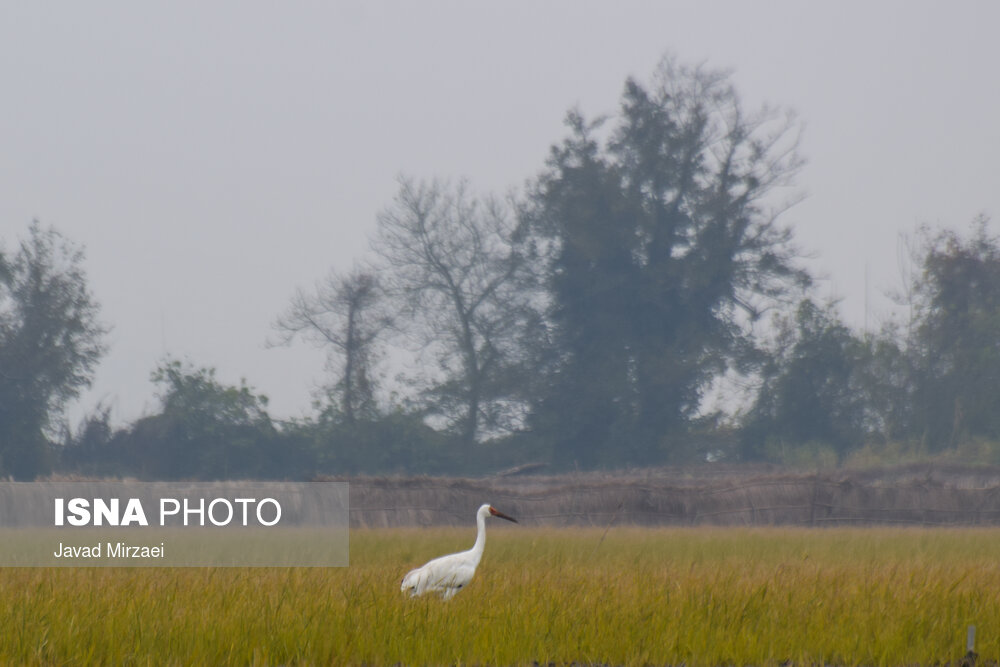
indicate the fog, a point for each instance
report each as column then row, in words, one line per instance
column 213, row 157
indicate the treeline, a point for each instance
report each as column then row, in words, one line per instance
column 579, row 323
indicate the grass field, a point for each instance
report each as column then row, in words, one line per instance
column 638, row 596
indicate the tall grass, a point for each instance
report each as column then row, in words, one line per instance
column 695, row 596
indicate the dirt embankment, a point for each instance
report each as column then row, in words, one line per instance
column 706, row 495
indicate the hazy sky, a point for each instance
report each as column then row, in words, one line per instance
column 212, row 157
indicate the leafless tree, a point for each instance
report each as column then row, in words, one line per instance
column 457, row 267
column 346, row 316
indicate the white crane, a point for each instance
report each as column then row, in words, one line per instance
column 449, row 574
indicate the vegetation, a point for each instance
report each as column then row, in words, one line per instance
column 579, row 323
column 344, row 315
column 457, row 270
column 663, row 246
column 50, row 342
column 810, row 387
column 630, row 597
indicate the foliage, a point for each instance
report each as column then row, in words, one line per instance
column 663, row 245
column 927, row 390
column 810, row 392
column 88, row 450
column 885, row 377
column 208, row 430
column 205, row 430
column 394, row 443
column 957, row 338
column 50, row 343
column 972, row 452
column 580, row 325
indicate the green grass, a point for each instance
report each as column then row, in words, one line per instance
column 695, row 596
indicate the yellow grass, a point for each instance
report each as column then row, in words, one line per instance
column 695, row 596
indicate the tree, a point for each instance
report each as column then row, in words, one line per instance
column 886, row 378
column 664, row 246
column 811, row 391
column 455, row 264
column 956, row 344
column 50, row 343
column 205, row 430
column 89, row 450
column 346, row 316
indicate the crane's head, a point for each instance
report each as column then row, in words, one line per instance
column 497, row 513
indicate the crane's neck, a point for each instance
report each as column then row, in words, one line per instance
column 477, row 548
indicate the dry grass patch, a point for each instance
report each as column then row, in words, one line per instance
column 703, row 596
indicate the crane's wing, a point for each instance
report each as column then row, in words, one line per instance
column 446, row 575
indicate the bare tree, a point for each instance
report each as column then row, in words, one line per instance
column 456, row 265
column 344, row 315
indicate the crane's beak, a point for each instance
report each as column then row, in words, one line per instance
column 497, row 513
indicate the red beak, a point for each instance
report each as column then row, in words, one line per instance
column 497, row 513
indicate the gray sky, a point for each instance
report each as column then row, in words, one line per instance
column 212, row 157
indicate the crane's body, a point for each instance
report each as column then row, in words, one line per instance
column 449, row 574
